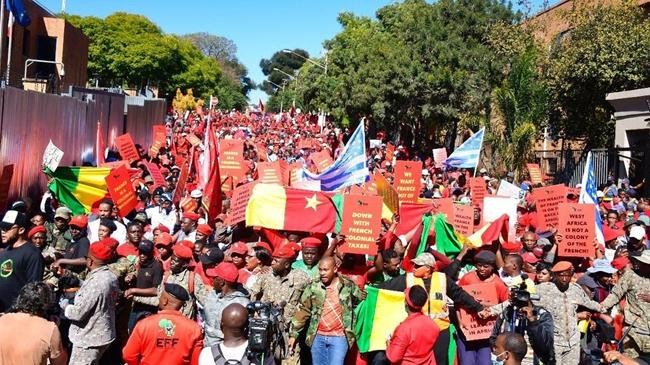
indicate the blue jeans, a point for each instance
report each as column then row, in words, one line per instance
column 329, row 350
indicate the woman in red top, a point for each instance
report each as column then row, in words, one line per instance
column 413, row 340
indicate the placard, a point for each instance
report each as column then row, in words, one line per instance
column 322, row 160
column 535, row 173
column 361, row 223
column 464, row 219
column 576, row 225
column 439, row 156
column 193, row 139
column 231, row 160
column 269, row 173
column 295, row 173
column 159, row 139
column 390, row 151
column 478, row 189
column 238, row 203
column 126, row 148
column 118, row 182
column 444, row 206
column 387, row 192
column 180, row 184
column 472, row 326
column 374, row 143
column 507, row 189
column 495, row 206
column 52, row 156
column 408, row 175
column 547, row 201
column 156, row 175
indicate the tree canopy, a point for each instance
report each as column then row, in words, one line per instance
column 287, row 62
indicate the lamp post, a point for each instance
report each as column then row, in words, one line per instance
column 324, row 67
column 284, row 82
column 290, row 77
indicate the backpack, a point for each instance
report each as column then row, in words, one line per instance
column 220, row 360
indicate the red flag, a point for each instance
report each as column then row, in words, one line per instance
column 261, row 105
column 292, row 111
column 497, row 229
column 410, row 216
column 99, row 144
column 212, row 196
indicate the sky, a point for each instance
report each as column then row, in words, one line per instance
column 259, row 28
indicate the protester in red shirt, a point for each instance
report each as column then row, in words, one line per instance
column 413, row 340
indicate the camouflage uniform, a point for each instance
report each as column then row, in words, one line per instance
column 636, row 310
column 182, row 279
column 57, row 240
column 563, row 307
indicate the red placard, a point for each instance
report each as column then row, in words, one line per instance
column 238, row 203
column 295, row 172
column 180, row 185
column 226, row 186
column 472, row 326
column 444, row 206
column 154, row 171
column 464, row 219
column 578, row 230
column 193, row 139
column 322, row 160
column 269, row 173
column 390, row 151
column 118, row 182
column 408, row 175
column 535, row 173
column 547, row 201
column 361, row 223
column 439, row 156
column 188, row 204
column 231, row 160
column 126, row 147
column 159, row 139
column 478, row 190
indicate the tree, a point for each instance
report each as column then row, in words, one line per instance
column 287, row 62
column 605, row 51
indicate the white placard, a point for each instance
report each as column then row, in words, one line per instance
column 52, row 156
column 496, row 206
column 509, row 190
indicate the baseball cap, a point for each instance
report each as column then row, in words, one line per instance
column 637, row 232
column 643, row 257
column 425, row 259
column 239, row 248
column 63, row 212
column 225, row 270
column 13, row 217
column 80, row 221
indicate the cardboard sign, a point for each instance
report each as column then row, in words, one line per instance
column 52, row 156
column 154, row 171
column 295, row 173
column 361, row 223
column 390, row 151
column 374, row 143
column 576, row 225
column 439, row 156
column 238, row 203
column 180, row 185
column 509, row 190
column 5, row 184
column 495, row 206
column 478, row 189
column 118, row 182
column 408, row 175
column 464, row 219
column 231, row 160
column 126, row 147
column 547, row 201
column 444, row 206
column 535, row 173
column 472, row 326
column 193, row 139
column 387, row 192
column 159, row 139
column 188, row 204
column 322, row 160
column 269, row 173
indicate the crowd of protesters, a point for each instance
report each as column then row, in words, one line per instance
column 162, row 286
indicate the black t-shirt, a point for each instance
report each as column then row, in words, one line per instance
column 18, row 266
column 149, row 275
column 77, row 250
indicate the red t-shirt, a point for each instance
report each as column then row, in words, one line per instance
column 127, row 249
column 501, row 288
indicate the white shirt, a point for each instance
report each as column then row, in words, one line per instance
column 229, row 353
column 119, row 234
column 159, row 216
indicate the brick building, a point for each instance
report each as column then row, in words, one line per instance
column 46, row 38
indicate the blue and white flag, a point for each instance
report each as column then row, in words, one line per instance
column 588, row 195
column 467, row 154
column 349, row 169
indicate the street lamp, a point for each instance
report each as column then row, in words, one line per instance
column 284, row 82
column 324, row 67
column 284, row 73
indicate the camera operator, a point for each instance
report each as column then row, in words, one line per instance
column 615, row 357
column 235, row 345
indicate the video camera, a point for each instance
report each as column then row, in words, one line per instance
column 263, row 326
column 519, row 298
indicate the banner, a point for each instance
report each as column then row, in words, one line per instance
column 478, row 190
column 387, row 192
column 126, row 148
column 408, row 175
column 121, row 190
column 52, row 156
column 231, row 161
column 547, row 201
column 472, row 326
column 439, row 156
column 361, row 223
column 463, row 219
column 269, row 173
column 156, row 175
column 238, row 203
column 535, row 173
column 576, row 225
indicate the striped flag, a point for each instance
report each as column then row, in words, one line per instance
column 349, row 169
column 467, row 154
column 588, row 195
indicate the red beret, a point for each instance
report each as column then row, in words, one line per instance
column 192, row 216
column 204, row 229
column 225, row 270
column 311, row 242
column 102, row 250
column 285, row 251
column 186, row 243
column 110, row 242
column 511, row 247
column 620, row 262
column 530, row 258
column 183, row 252
column 562, row 266
column 264, row 245
column 239, row 248
column 164, row 239
column 162, row 228
column 36, row 230
column 612, row 234
column 80, row 221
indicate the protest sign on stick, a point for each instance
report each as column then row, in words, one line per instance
column 126, row 148
column 472, row 326
column 478, row 189
column 52, row 156
column 464, row 219
column 118, row 182
column 547, row 201
column 576, row 226
column 269, row 173
column 439, row 156
column 238, row 203
column 231, row 160
column 361, row 223
column 408, row 175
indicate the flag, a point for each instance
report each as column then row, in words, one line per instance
column 467, row 154
column 349, row 169
column 276, row 207
column 212, row 176
column 448, row 241
column 261, row 106
column 418, row 246
column 99, row 145
column 78, row 188
column 410, row 215
column 588, row 195
column 497, row 230
column 377, row 317
column 18, row 12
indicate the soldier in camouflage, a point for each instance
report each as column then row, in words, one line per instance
column 58, row 235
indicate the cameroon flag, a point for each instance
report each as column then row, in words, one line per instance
column 377, row 317
column 276, row 207
column 78, row 188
